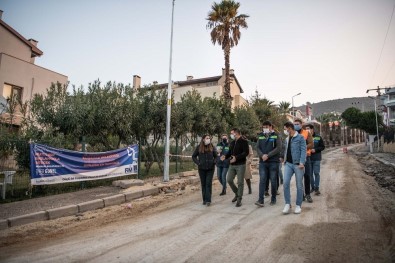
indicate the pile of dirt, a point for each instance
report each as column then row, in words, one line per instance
column 382, row 173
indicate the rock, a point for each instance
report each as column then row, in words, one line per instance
column 129, row 183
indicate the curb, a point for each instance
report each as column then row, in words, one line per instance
column 71, row 210
column 382, row 161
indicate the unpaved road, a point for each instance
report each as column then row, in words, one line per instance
column 352, row 221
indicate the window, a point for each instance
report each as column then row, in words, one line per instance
column 11, row 92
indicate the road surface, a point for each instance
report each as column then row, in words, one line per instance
column 352, row 221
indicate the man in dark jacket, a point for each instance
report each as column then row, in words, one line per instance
column 268, row 147
column 237, row 154
column 315, row 158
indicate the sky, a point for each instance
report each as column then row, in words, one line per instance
column 322, row 49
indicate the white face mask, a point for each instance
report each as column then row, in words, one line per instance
column 286, row 132
column 207, row 141
column 232, row 136
column 266, row 130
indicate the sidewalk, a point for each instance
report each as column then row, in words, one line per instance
column 55, row 206
column 385, row 158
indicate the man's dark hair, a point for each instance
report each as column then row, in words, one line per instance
column 289, row 124
column 298, row 120
column 267, row 123
column 235, row 130
column 311, row 126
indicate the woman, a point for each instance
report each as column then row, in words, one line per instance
column 204, row 156
column 248, row 172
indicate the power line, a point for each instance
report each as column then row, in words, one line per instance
column 382, row 48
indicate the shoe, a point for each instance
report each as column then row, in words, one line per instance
column 267, row 193
column 223, row 192
column 234, row 199
column 278, row 193
column 249, row 191
column 298, row 209
column 309, row 199
column 208, row 203
column 260, row 203
column 317, row 192
column 238, row 204
column 273, row 203
column 304, row 198
column 204, row 203
column 286, row 209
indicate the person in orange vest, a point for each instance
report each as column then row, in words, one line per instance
column 298, row 124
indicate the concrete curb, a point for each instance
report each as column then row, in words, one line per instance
column 71, row 210
column 382, row 161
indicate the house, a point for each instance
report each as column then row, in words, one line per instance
column 389, row 109
column 207, row 87
column 20, row 77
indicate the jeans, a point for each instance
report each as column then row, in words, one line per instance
column 238, row 170
column 266, row 171
column 306, row 176
column 206, row 182
column 289, row 170
column 315, row 174
column 221, row 174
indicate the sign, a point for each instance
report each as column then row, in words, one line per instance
column 53, row 166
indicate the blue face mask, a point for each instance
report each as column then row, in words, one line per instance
column 297, row 127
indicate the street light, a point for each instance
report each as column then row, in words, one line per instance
column 377, row 123
column 293, row 109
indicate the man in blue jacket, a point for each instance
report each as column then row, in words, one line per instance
column 316, row 157
column 294, row 161
column 268, row 148
column 222, row 166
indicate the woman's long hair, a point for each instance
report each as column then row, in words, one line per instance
column 205, row 148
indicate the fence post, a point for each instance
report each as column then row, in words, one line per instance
column 139, row 160
column 177, row 154
column 83, row 149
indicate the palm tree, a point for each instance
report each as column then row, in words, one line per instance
column 225, row 23
column 283, row 106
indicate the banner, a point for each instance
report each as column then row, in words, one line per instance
column 53, row 166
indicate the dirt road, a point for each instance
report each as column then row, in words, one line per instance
column 352, row 221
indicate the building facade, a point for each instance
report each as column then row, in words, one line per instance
column 20, row 77
column 389, row 103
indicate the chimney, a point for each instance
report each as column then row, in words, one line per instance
column 189, row 77
column 136, row 82
column 155, row 82
column 231, row 71
column 1, row 14
column 33, row 42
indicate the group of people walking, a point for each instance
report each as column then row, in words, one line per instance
column 298, row 150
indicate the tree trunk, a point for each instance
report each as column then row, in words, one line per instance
column 227, row 94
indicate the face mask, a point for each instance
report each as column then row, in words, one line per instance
column 232, row 136
column 224, row 140
column 207, row 141
column 297, row 127
column 265, row 130
column 286, row 132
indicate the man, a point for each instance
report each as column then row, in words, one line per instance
column 222, row 166
column 316, row 157
column 294, row 160
column 268, row 148
column 310, row 145
column 237, row 154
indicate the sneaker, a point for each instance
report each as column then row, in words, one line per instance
column 309, row 199
column 278, row 193
column 208, row 203
column 304, row 198
column 298, row 209
column 238, row 204
column 317, row 192
column 234, row 199
column 272, row 203
column 260, row 203
column 286, row 209
column 267, row 193
column 204, row 203
column 223, row 192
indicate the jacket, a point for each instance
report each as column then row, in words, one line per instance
column 298, row 148
column 309, row 140
column 238, row 148
column 271, row 145
column 319, row 146
column 225, row 149
column 206, row 160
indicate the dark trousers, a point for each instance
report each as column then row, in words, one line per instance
column 278, row 180
column 307, row 174
column 268, row 171
column 206, row 182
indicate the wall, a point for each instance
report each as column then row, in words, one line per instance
column 204, row 91
column 12, row 45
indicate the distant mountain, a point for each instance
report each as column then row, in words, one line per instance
column 340, row 105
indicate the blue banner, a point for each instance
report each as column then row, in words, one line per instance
column 53, row 166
